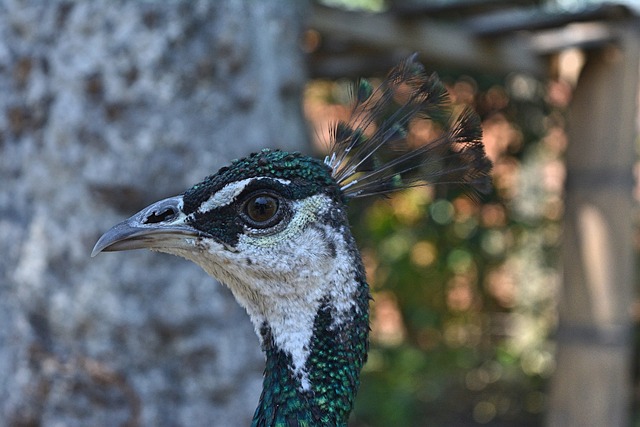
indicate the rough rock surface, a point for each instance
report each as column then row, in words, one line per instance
column 107, row 106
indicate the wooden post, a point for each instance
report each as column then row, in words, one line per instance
column 592, row 383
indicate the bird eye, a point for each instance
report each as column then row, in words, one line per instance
column 262, row 210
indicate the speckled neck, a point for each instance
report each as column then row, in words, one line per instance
column 338, row 352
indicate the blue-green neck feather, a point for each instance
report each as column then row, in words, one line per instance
column 336, row 358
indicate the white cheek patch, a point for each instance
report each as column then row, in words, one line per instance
column 293, row 271
column 283, row 278
column 227, row 194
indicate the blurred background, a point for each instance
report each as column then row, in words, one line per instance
column 520, row 310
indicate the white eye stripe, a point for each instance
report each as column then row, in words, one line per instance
column 227, row 194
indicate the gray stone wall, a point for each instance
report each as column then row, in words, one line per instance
column 106, row 106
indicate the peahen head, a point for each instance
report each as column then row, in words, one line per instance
column 273, row 228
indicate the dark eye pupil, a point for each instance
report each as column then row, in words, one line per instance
column 262, row 208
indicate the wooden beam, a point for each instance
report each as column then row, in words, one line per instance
column 505, row 22
column 587, row 35
column 592, row 384
column 436, row 8
column 440, row 43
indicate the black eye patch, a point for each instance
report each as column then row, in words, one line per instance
column 262, row 205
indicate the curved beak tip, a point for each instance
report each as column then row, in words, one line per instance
column 114, row 235
column 99, row 246
column 128, row 234
column 95, row 251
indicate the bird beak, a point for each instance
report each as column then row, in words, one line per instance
column 160, row 225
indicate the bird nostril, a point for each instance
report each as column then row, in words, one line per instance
column 156, row 217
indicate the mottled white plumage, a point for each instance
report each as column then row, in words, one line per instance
column 280, row 278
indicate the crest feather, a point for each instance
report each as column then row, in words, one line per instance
column 374, row 152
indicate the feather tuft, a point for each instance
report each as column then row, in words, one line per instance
column 376, row 152
column 365, row 89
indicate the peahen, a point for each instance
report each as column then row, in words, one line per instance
column 273, row 227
